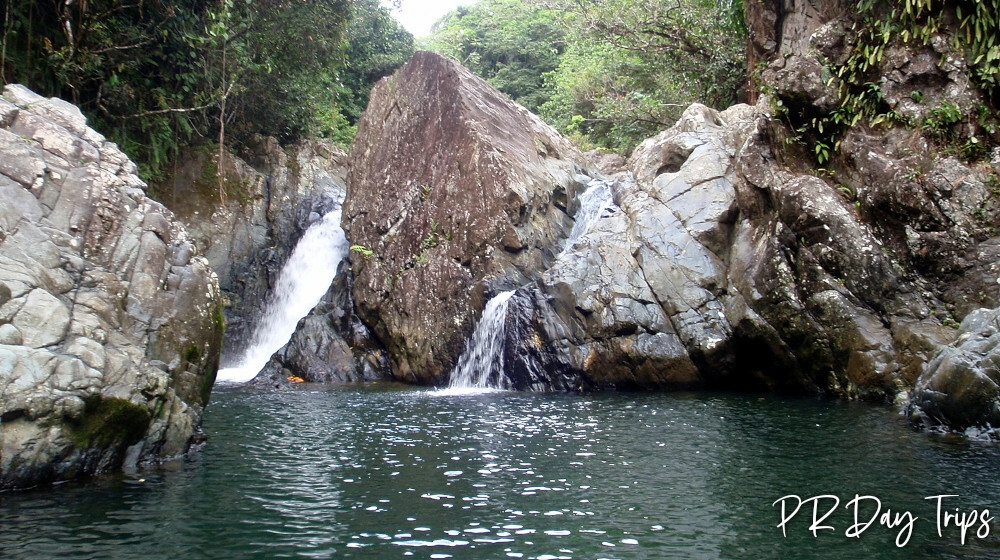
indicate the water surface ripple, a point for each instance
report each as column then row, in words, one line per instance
column 391, row 472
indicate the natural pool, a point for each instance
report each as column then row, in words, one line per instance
column 385, row 471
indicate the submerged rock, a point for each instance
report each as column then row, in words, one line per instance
column 110, row 322
column 453, row 191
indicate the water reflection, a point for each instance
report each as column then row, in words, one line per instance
column 390, row 472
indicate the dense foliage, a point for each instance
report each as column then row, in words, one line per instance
column 158, row 75
column 607, row 72
column 514, row 44
column 973, row 29
column 376, row 46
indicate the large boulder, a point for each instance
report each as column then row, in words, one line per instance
column 821, row 285
column 959, row 389
column 110, row 322
column 453, row 191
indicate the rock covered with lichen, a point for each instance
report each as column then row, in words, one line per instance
column 110, row 322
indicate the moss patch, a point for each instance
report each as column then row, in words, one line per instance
column 110, row 422
column 193, row 355
column 192, row 184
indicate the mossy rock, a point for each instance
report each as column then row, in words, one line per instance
column 110, row 423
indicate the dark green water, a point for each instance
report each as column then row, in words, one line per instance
column 391, row 472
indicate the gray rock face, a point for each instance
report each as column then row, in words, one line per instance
column 718, row 267
column 331, row 344
column 270, row 197
column 110, row 322
column 452, row 188
column 822, row 283
column 639, row 300
column 932, row 216
column 960, row 388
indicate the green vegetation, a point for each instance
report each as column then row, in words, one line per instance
column 941, row 120
column 608, row 73
column 376, row 46
column 511, row 43
column 428, row 243
column 160, row 76
column 110, row 422
column 363, row 251
column 974, row 26
column 974, row 30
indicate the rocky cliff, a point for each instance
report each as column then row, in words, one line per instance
column 747, row 249
column 110, row 322
column 454, row 192
column 247, row 223
column 716, row 266
column 923, row 185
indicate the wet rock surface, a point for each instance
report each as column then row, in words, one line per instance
column 727, row 259
column 247, row 227
column 960, row 387
column 330, row 345
column 110, row 321
column 637, row 301
column 718, row 267
column 248, row 230
column 453, row 191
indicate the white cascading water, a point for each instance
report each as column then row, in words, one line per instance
column 303, row 281
column 593, row 202
column 484, row 352
column 483, row 356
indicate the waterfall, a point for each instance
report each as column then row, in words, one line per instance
column 483, row 356
column 480, row 367
column 302, row 282
column 593, row 202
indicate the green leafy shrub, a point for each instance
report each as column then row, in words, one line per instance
column 974, row 29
